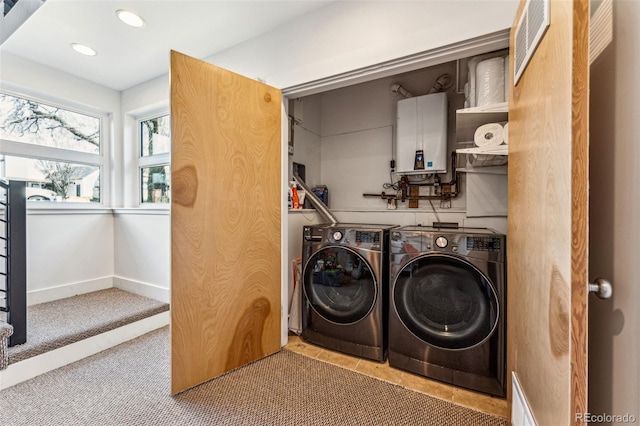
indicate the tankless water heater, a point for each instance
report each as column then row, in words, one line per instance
column 422, row 135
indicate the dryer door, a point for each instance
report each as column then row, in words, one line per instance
column 339, row 284
column 445, row 301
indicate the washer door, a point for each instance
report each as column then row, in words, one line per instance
column 339, row 284
column 445, row 301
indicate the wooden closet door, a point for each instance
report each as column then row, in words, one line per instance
column 225, row 221
column 548, row 219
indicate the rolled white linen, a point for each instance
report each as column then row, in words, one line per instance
column 506, row 133
column 490, row 81
column 490, row 134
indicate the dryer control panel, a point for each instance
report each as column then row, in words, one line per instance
column 370, row 239
column 472, row 242
column 358, row 238
column 483, row 243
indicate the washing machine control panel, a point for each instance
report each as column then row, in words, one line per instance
column 483, row 243
column 367, row 237
column 360, row 238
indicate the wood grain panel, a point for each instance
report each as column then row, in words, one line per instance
column 579, row 208
column 547, row 216
column 225, row 221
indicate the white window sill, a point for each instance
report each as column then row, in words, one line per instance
column 45, row 208
column 49, row 207
column 146, row 210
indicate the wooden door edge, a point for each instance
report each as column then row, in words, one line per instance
column 579, row 209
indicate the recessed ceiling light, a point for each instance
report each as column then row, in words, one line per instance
column 130, row 18
column 85, row 50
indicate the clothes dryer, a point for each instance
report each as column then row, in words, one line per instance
column 345, row 286
column 447, row 317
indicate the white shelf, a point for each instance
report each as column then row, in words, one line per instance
column 469, row 119
column 486, row 150
column 499, row 107
column 494, row 170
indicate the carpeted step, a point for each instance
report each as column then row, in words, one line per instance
column 6, row 330
column 53, row 325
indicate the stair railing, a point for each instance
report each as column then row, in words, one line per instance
column 13, row 258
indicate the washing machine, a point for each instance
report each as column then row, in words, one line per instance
column 345, row 282
column 447, row 315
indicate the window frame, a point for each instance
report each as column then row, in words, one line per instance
column 42, row 152
column 155, row 160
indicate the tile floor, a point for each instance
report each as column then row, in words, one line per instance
column 477, row 401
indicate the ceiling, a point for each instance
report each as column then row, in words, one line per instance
column 128, row 56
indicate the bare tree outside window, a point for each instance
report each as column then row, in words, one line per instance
column 63, row 176
column 155, row 139
column 29, row 122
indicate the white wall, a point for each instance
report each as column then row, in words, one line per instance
column 614, row 324
column 346, row 36
column 69, row 248
column 68, row 253
column 142, row 256
column 31, row 77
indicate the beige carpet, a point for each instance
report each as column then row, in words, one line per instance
column 129, row 385
column 55, row 324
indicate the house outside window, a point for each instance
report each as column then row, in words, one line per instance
column 154, row 160
column 56, row 149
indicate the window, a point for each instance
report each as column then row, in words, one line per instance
column 155, row 184
column 57, row 151
column 155, row 171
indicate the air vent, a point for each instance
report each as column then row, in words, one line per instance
column 530, row 30
column 600, row 27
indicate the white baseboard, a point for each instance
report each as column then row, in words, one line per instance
column 520, row 412
column 50, row 294
column 67, row 290
column 151, row 291
column 37, row 365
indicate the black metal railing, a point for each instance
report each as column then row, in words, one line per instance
column 13, row 258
